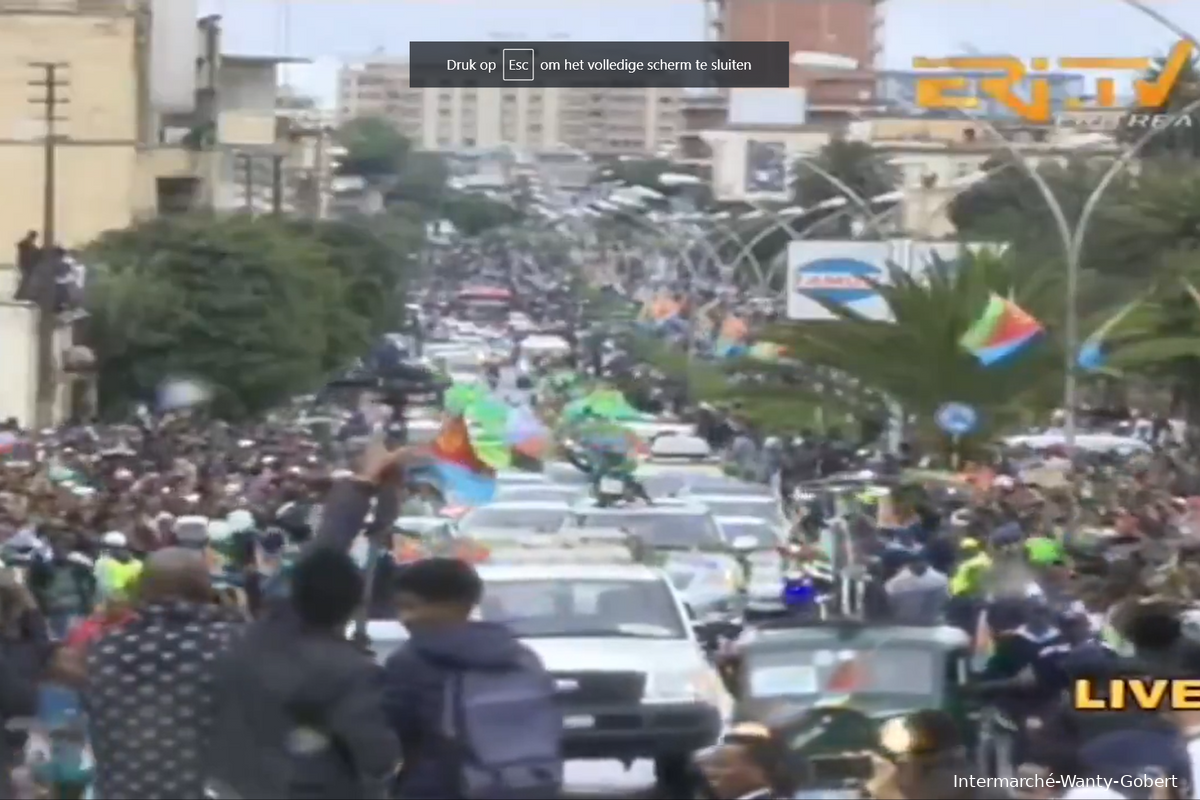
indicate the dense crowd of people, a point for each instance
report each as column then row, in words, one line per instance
column 178, row 594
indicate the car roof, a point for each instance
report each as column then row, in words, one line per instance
column 569, row 572
column 717, row 497
column 680, row 468
column 665, row 505
column 740, row 520
column 557, row 488
column 424, row 520
column 513, row 477
column 527, row 505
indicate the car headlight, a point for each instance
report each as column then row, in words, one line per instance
column 698, row 685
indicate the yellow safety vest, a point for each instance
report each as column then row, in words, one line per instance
column 967, row 576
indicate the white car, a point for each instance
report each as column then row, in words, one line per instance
column 765, row 507
column 669, row 523
column 524, row 515
column 632, row 677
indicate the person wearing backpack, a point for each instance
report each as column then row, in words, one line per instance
column 474, row 709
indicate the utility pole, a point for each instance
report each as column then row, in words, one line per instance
column 248, row 181
column 45, row 277
column 277, row 184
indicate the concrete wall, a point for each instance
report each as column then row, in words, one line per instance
column 97, row 184
column 18, row 352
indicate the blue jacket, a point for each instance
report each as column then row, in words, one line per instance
column 413, row 678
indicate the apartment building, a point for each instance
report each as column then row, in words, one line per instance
column 599, row 122
column 851, row 28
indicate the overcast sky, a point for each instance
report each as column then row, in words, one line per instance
column 330, row 32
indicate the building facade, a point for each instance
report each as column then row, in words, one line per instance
column 850, row 28
column 603, row 121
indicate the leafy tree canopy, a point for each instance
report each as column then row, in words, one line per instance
column 260, row 308
column 374, row 148
column 854, row 164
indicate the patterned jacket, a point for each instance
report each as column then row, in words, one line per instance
column 149, row 700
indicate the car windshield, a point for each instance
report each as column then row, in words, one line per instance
column 665, row 531
column 841, row 670
column 764, row 534
column 637, row 609
column 531, row 519
column 766, row 510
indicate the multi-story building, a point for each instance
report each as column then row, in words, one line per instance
column 850, row 28
column 149, row 118
column 597, row 121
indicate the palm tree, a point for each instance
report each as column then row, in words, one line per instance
column 854, row 163
column 1182, row 140
column 916, row 360
column 1159, row 339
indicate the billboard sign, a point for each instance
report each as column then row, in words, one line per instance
column 846, row 272
column 841, row 272
column 1001, row 77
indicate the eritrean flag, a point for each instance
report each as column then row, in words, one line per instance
column 1003, row 330
column 464, row 476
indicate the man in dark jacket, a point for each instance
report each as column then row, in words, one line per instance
column 299, row 713
column 436, row 597
column 300, row 710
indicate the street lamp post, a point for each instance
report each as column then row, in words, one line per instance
column 1072, row 238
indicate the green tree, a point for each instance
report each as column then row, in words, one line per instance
column 472, row 213
column 259, row 308
column 855, row 164
column 375, row 150
column 1157, row 338
column 1142, row 217
column 422, row 181
column 917, row 360
column 1176, row 141
column 374, row 259
column 379, row 153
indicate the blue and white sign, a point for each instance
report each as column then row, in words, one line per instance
column 836, row 271
column 956, row 419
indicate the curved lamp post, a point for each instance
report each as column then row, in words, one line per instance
column 1072, row 237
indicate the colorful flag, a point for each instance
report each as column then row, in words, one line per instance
column 1092, row 353
column 1002, row 331
column 731, row 341
column 848, row 677
column 984, row 645
column 463, row 474
column 526, row 434
column 665, row 308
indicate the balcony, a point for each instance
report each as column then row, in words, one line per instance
column 247, row 128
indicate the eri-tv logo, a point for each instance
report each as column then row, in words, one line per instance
column 1029, row 95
